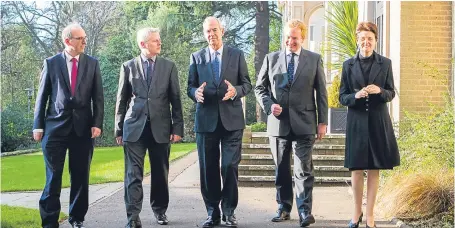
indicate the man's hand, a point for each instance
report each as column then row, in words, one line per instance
column 322, row 129
column 175, row 138
column 119, row 140
column 96, row 132
column 276, row 109
column 199, row 95
column 37, row 136
column 372, row 89
column 361, row 94
column 230, row 91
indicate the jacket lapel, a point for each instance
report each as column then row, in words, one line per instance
column 282, row 62
column 140, row 70
column 81, row 70
column 356, row 70
column 156, row 72
column 226, row 56
column 375, row 68
column 302, row 63
column 64, row 69
column 206, row 55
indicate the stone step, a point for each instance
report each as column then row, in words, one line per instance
column 266, row 159
column 318, row 149
column 263, row 138
column 269, row 181
column 269, row 170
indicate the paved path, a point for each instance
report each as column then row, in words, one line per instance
column 331, row 206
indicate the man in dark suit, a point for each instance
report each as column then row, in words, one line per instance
column 144, row 120
column 70, row 85
column 285, row 89
column 218, row 79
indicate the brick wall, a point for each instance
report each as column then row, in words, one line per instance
column 426, row 54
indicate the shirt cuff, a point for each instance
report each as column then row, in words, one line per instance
column 38, row 130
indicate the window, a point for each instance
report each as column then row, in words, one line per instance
column 311, row 32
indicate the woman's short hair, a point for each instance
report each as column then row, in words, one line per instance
column 367, row 26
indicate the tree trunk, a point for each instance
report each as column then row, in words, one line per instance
column 261, row 45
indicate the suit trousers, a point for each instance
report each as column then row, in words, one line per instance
column 302, row 148
column 80, row 151
column 209, row 145
column 134, row 173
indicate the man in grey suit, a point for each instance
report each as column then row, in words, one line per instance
column 144, row 120
column 286, row 89
column 218, row 79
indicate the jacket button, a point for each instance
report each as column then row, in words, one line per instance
column 366, row 109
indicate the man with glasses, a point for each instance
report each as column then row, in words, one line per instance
column 148, row 116
column 71, row 89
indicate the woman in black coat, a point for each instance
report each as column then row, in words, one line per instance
column 366, row 87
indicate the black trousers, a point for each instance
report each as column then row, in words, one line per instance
column 134, row 173
column 80, row 151
column 209, row 145
column 302, row 148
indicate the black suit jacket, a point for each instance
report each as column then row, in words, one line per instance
column 233, row 69
column 304, row 101
column 64, row 112
column 135, row 101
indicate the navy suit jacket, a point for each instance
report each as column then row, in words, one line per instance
column 56, row 110
column 233, row 69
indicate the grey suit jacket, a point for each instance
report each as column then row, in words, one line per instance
column 304, row 102
column 135, row 101
column 233, row 69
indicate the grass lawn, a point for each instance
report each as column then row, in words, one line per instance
column 13, row 217
column 26, row 172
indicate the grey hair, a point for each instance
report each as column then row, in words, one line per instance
column 144, row 33
column 207, row 20
column 66, row 32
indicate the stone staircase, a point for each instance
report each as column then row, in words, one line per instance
column 257, row 168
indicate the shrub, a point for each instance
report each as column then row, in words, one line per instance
column 259, row 127
column 333, row 93
column 16, row 128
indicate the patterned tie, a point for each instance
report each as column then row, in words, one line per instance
column 73, row 76
column 291, row 69
column 150, row 71
column 216, row 67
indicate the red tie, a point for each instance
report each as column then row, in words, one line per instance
column 73, row 76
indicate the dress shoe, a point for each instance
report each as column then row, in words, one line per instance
column 281, row 215
column 161, row 219
column 134, row 224
column 356, row 224
column 374, row 226
column 78, row 224
column 211, row 222
column 231, row 221
column 306, row 219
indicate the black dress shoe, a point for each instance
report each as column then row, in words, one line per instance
column 78, row 224
column 231, row 221
column 374, row 226
column 306, row 219
column 211, row 222
column 161, row 219
column 134, row 224
column 281, row 215
column 355, row 224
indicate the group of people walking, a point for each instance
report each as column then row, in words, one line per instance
column 291, row 89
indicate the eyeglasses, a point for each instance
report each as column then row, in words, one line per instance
column 80, row 38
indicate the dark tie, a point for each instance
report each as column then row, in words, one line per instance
column 73, row 76
column 150, row 69
column 216, row 67
column 291, row 69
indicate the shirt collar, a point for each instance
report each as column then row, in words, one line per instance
column 297, row 52
column 69, row 57
column 212, row 51
column 145, row 59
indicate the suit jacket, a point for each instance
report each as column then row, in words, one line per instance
column 135, row 101
column 64, row 111
column 233, row 69
column 370, row 139
column 297, row 99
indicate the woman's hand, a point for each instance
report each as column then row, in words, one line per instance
column 361, row 94
column 372, row 89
